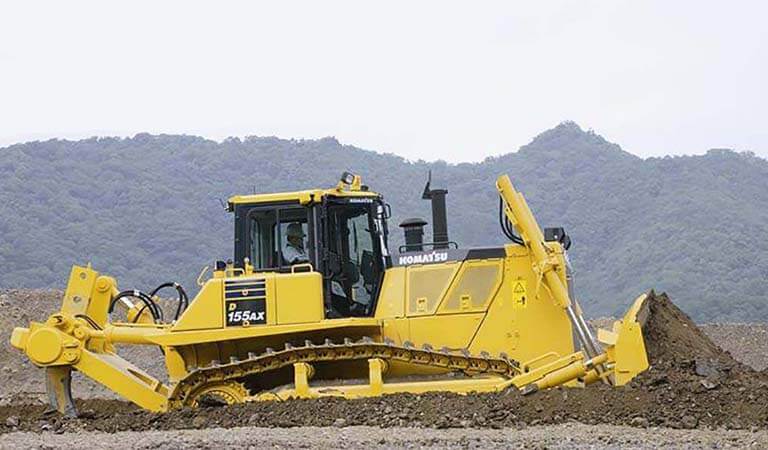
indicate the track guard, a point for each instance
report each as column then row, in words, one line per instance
column 58, row 384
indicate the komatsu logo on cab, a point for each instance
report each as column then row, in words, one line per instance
column 423, row 258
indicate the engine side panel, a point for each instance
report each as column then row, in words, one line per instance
column 524, row 321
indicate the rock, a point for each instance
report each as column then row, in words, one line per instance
column 12, row 421
column 339, row 422
column 709, row 385
column 639, row 422
column 86, row 414
column 707, row 368
column 442, row 423
column 689, row 421
column 199, row 421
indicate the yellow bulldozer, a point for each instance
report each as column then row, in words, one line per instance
column 314, row 303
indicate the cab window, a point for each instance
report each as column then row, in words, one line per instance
column 278, row 238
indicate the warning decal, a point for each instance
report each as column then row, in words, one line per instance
column 519, row 294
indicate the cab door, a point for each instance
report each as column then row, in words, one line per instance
column 352, row 261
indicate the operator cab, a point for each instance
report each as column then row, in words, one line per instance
column 340, row 233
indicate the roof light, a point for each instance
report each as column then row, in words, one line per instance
column 347, row 178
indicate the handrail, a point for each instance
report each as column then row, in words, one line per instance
column 200, row 281
column 302, row 266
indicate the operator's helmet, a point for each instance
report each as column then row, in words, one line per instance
column 295, row 230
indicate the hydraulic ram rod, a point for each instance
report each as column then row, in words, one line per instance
column 518, row 212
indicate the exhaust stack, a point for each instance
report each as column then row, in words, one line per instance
column 439, row 216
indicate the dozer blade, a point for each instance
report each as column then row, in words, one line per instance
column 623, row 357
column 640, row 310
column 625, row 343
column 58, row 383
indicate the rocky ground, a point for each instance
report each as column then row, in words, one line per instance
column 695, row 395
column 563, row 436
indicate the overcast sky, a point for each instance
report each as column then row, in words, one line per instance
column 429, row 80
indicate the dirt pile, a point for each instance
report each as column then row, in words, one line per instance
column 692, row 378
column 691, row 384
column 671, row 336
column 681, row 353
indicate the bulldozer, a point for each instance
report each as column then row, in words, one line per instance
column 314, row 303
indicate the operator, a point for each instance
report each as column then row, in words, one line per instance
column 294, row 252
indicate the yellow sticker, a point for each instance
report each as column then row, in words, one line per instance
column 519, row 294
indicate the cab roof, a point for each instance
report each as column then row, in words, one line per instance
column 343, row 189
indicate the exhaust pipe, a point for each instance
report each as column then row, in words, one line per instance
column 439, row 215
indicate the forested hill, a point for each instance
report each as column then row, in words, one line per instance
column 146, row 210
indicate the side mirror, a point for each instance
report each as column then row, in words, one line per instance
column 384, row 211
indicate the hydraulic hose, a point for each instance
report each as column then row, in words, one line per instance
column 183, row 300
column 90, row 321
column 154, row 310
column 506, row 225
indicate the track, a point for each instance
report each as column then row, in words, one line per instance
column 187, row 391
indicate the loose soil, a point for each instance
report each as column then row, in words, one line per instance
column 691, row 384
column 563, row 436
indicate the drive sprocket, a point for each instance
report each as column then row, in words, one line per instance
column 226, row 392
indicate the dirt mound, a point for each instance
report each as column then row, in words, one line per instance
column 680, row 352
column 670, row 335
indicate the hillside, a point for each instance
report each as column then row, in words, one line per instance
column 146, row 210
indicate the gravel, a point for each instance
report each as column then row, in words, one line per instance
column 747, row 342
column 569, row 435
